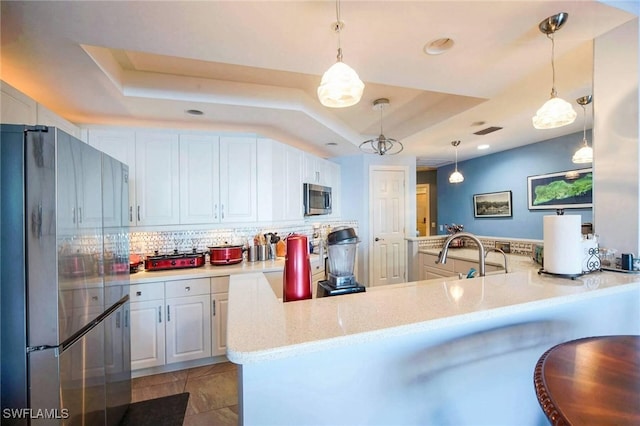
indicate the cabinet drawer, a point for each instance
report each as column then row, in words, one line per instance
column 220, row 284
column 183, row 288
column 144, row 292
column 430, row 261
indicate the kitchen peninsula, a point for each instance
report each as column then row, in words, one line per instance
column 441, row 351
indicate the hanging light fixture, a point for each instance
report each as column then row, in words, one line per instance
column 381, row 145
column 340, row 86
column 584, row 154
column 456, row 176
column 556, row 112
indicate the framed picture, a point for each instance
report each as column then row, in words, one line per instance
column 562, row 190
column 492, row 204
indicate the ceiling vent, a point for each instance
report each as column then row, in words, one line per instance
column 487, row 130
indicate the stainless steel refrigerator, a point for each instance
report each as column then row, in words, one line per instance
column 64, row 319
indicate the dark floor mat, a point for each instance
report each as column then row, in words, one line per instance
column 165, row 411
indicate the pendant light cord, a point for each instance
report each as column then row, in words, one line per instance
column 584, row 124
column 337, row 29
column 553, row 67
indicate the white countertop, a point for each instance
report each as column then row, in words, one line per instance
column 261, row 327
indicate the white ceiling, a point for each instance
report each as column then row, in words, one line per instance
column 254, row 66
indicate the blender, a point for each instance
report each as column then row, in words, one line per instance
column 341, row 245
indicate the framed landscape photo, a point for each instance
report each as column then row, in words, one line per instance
column 570, row 189
column 492, row 204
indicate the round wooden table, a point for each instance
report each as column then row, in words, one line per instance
column 591, row 381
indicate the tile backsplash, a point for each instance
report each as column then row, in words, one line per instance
column 167, row 241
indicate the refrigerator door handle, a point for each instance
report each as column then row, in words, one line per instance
column 91, row 325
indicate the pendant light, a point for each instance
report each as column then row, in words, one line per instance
column 556, row 112
column 584, row 154
column 340, row 86
column 381, row 145
column 456, row 176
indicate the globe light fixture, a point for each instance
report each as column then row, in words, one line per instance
column 340, row 86
column 456, row 176
column 556, row 112
column 584, row 154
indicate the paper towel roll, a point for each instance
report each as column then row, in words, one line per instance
column 562, row 244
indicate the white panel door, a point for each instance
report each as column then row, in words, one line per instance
column 147, row 334
column 188, row 328
column 157, row 174
column 388, row 227
column 199, row 179
column 238, row 196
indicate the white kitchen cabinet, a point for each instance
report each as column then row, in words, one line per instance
column 219, row 308
column 316, row 170
column 199, row 179
column 279, row 181
column 80, row 198
column 157, row 179
column 188, row 324
column 238, row 191
column 147, row 325
column 333, row 170
column 121, row 145
column 16, row 107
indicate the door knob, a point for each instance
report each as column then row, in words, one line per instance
column 379, row 239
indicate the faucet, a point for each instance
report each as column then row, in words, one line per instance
column 442, row 257
column 506, row 269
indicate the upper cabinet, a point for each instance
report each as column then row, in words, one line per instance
column 279, row 181
column 157, row 179
column 238, row 192
column 317, row 170
column 18, row 108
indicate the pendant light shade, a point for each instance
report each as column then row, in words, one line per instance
column 556, row 112
column 456, row 176
column 340, row 86
column 381, row 145
column 584, row 154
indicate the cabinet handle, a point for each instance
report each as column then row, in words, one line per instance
column 221, row 211
column 73, row 215
column 168, row 313
column 94, row 297
column 215, row 211
column 187, row 288
column 138, row 213
column 117, row 319
column 138, row 293
column 213, row 307
column 159, row 314
column 79, row 214
column 130, row 213
column 126, row 318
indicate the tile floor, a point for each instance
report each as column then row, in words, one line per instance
column 213, row 392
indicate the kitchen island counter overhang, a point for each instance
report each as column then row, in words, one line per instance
column 436, row 351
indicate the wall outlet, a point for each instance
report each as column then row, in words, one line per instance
column 441, row 228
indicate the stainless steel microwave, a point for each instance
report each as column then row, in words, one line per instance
column 317, row 199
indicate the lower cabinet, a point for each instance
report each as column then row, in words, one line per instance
column 147, row 325
column 219, row 304
column 188, row 329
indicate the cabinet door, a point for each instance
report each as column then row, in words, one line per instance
column 188, row 328
column 199, row 179
column 334, row 181
column 293, row 203
column 219, row 305
column 157, row 179
column 119, row 144
column 147, row 334
column 89, row 186
column 68, row 166
column 238, row 197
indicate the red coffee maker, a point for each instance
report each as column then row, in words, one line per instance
column 297, row 269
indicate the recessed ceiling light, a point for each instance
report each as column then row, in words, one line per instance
column 478, row 123
column 483, row 146
column 331, row 144
column 194, row 112
column 438, row 46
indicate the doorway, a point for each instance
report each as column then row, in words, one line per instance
column 423, row 211
column 388, row 195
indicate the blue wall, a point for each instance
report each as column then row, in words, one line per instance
column 506, row 171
